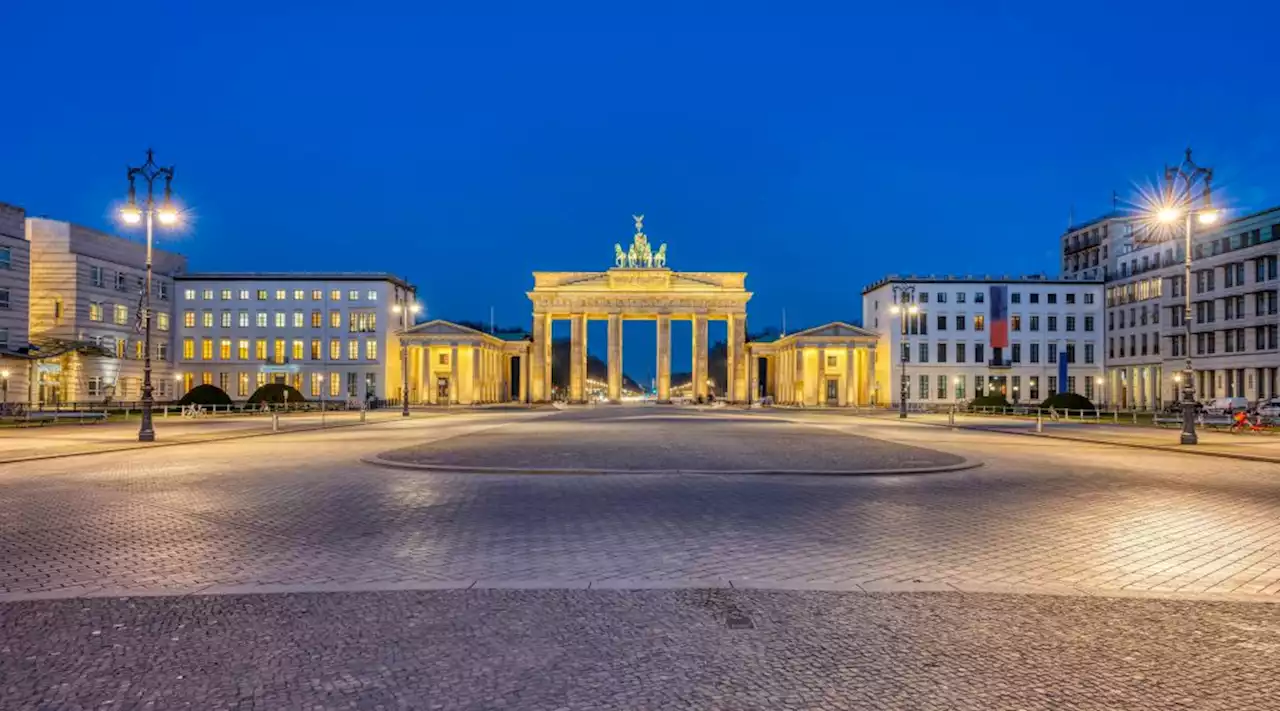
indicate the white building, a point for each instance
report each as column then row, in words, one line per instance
column 326, row 334
column 947, row 345
column 15, row 286
column 86, row 291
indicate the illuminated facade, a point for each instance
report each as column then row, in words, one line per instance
column 827, row 366
column 330, row 335
column 450, row 364
column 638, row 287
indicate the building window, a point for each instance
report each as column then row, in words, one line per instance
column 1016, row 323
column 942, row 322
column 1035, row 352
column 1035, row 298
column 162, row 351
column 924, row 352
column 959, row 388
column 979, row 322
column 206, row 349
column 226, row 294
column 351, row 384
column 942, row 353
column 280, row 319
column 1088, row 323
column 1071, row 299
column 959, row 323
column 242, row 349
column 443, row 359
column 260, row 319
column 353, row 349
column 1017, row 353
column 122, row 348
column 188, row 349
column 335, row 295
column 260, row 350
column 373, row 295
column 353, row 295
column 978, row 352
column 942, row 297
column 941, row 392
column 242, row 319
column 1034, row 391
column 162, row 321
column 335, row 319
column 1053, row 385
column 262, row 294
column 1071, row 323
column 224, row 349
column 924, row 387
column 317, row 319
column 1035, row 323
column 93, row 386
column 831, row 360
column 335, row 386
column 1088, row 353
column 297, row 319
column 120, row 314
column 1071, row 383
column 95, row 312
column 315, row 349
column 297, row 349
column 1015, row 298
column 206, row 319
column 226, row 319
column 1071, row 353
column 959, row 297
column 315, row 384
column 277, row 352
column 960, row 353
column 120, row 286
column 242, row 384
column 281, row 295
column 335, row 349
column 95, row 278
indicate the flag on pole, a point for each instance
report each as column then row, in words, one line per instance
column 138, row 319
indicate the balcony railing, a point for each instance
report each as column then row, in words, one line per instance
column 999, row 364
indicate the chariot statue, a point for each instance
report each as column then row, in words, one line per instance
column 639, row 255
column 660, row 257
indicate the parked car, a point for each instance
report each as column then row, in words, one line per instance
column 1227, row 405
column 1269, row 408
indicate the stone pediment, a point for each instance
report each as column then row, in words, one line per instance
column 626, row 279
column 837, row 329
column 440, row 327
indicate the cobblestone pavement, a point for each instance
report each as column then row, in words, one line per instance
column 647, row 439
column 300, row 512
column 693, row 649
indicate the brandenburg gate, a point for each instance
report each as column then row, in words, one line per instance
column 638, row 287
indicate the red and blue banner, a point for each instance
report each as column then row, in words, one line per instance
column 999, row 310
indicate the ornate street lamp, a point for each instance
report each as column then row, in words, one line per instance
column 1181, row 201
column 132, row 214
column 903, row 294
column 404, row 312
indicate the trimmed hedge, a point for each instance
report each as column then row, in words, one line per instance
column 996, row 400
column 1068, row 401
column 205, row 395
column 275, row 394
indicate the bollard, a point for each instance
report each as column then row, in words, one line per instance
column 951, row 419
column 1115, row 416
column 275, row 422
column 1039, row 421
column 363, row 412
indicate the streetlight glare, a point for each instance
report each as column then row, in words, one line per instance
column 168, row 216
column 895, row 309
column 131, row 215
column 913, row 309
column 1167, row 214
column 415, row 308
column 1208, row 217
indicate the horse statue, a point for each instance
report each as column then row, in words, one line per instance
column 633, row 256
column 619, row 256
column 660, row 257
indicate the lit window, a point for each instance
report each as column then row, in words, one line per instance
column 260, row 319
column 260, row 349
column 297, row 294
column 226, row 319
column 335, row 349
column 242, row 349
column 315, row 385
column 244, row 294
column 335, row 386
column 316, row 295
column 335, row 295
column 373, row 295
column 353, row 349
column 315, row 349
column 121, row 348
column 137, row 349
column 278, row 351
column 353, row 295
column 280, row 294
column 224, row 349
column 206, row 349
column 261, row 379
column 242, row 319
column 206, row 319
column 371, row 351
column 95, row 311
column 162, row 321
column 317, row 319
column 188, row 294
column 188, row 349
column 226, row 294
column 206, row 378
column 297, row 350
column 242, row 385
column 121, row 314
column 297, row 319
column 279, row 319
column 208, row 294
column 262, row 294
column 335, row 319
column 162, row 352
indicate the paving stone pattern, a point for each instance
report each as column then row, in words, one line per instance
column 556, row 650
column 648, row 439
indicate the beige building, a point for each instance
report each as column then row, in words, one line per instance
column 86, row 292
column 827, row 366
column 15, row 284
column 451, row 364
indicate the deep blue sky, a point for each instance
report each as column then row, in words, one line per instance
column 817, row 152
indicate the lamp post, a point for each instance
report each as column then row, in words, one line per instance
column 1101, row 393
column 1180, row 201
column 903, row 294
column 168, row 215
column 404, row 312
column 4, row 374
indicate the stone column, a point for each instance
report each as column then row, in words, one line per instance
column 700, row 356
column 738, row 380
column 615, row 357
column 801, row 383
column 753, row 377
column 731, row 355
column 868, row 373
column 453, row 374
column 849, row 393
column 821, row 386
column 524, row 375
column 577, row 358
column 664, row 358
column 539, row 386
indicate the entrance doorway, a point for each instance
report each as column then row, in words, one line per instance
column 442, row 391
column 833, row 391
